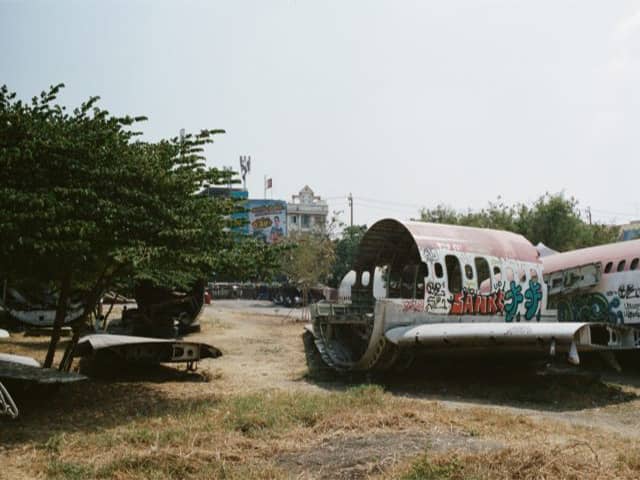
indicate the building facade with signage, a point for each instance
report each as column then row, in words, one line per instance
column 306, row 212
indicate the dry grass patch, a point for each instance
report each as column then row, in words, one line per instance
column 576, row 460
column 355, row 433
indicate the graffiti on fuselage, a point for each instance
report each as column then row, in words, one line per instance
column 469, row 302
column 436, row 297
column 590, row 307
column 628, row 291
column 413, row 306
column 616, row 299
column 512, row 291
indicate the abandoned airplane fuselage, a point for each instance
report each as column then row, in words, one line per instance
column 596, row 284
column 449, row 287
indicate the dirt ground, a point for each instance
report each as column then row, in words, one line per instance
column 468, row 413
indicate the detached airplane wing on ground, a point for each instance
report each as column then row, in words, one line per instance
column 145, row 349
column 26, row 369
column 20, row 370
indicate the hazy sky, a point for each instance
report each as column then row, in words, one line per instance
column 403, row 103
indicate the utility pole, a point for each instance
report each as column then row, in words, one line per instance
column 350, row 198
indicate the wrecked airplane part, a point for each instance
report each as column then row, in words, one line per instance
column 19, row 368
column 143, row 349
column 448, row 287
column 596, row 284
column 162, row 312
column 37, row 307
column 21, row 372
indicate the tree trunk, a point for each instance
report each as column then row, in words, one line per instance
column 61, row 313
column 91, row 301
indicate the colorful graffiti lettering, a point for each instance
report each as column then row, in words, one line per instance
column 469, row 302
column 515, row 295
column 593, row 307
column 534, row 297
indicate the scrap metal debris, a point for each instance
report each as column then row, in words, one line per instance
column 145, row 349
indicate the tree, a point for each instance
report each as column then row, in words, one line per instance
column 249, row 259
column 553, row 220
column 346, row 250
column 84, row 203
column 308, row 260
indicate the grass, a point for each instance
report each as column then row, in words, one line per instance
column 249, row 435
column 577, row 460
column 231, row 437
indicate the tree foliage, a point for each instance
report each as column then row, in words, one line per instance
column 346, row 250
column 249, row 259
column 553, row 219
column 309, row 259
column 84, row 203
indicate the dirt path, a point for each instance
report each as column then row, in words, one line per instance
column 263, row 349
column 497, row 417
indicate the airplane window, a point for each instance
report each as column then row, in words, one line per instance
column 438, row 269
column 365, row 279
column 482, row 269
column 468, row 272
column 408, row 281
column 634, row 264
column 621, row 265
column 454, row 273
column 522, row 276
column 607, row 269
column 424, row 268
column 423, row 271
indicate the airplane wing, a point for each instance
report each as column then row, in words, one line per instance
column 569, row 336
column 145, row 349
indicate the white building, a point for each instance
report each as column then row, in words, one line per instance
column 306, row 212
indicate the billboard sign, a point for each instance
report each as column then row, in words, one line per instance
column 267, row 219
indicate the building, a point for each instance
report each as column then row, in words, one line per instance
column 630, row 231
column 225, row 192
column 306, row 212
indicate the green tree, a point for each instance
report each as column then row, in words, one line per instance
column 308, row 260
column 248, row 259
column 346, row 250
column 553, row 219
column 85, row 204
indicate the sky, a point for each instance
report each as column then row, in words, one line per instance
column 405, row 104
